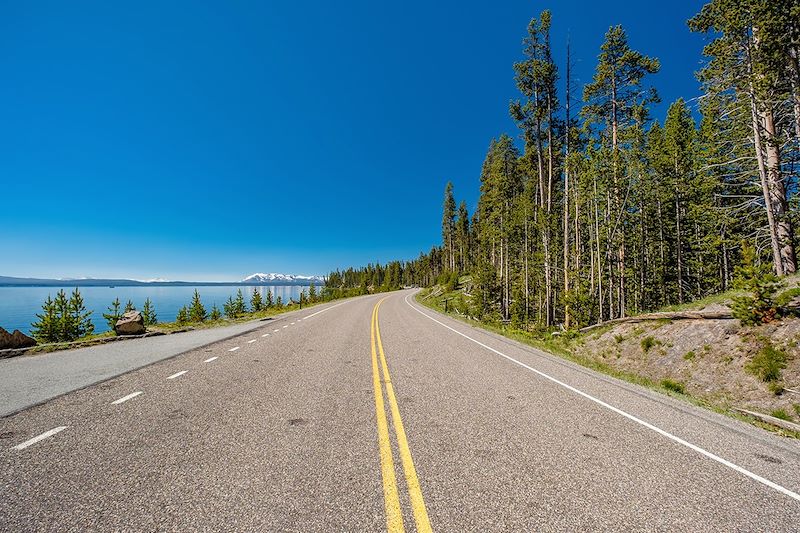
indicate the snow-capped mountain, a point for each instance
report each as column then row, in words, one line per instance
column 273, row 277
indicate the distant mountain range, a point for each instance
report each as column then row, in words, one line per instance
column 253, row 279
column 291, row 279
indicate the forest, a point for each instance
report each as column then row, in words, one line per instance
column 594, row 210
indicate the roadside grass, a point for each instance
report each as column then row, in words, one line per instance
column 782, row 414
column 649, row 342
column 563, row 344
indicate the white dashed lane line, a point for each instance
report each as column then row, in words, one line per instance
column 286, row 326
column 177, row 374
column 234, row 348
column 275, row 330
column 211, row 359
column 43, row 436
column 251, row 341
column 126, row 398
column 265, row 335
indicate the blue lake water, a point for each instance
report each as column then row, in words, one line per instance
column 19, row 305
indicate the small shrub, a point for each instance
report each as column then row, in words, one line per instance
column 618, row 338
column 775, row 387
column 759, row 306
column 796, row 408
column 690, row 355
column 767, row 364
column 782, row 414
column 648, row 342
column 183, row 316
column 673, row 386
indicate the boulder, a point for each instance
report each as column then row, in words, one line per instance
column 17, row 339
column 131, row 323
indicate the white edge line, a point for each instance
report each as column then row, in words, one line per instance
column 629, row 416
column 43, row 436
column 177, row 374
column 126, row 398
column 211, row 359
column 234, row 348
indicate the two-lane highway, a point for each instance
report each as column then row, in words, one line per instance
column 378, row 414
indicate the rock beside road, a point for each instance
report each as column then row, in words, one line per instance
column 131, row 323
column 17, row 339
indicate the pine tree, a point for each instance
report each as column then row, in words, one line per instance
column 183, row 316
column 613, row 99
column 312, row 293
column 279, row 302
column 129, row 306
column 215, row 314
column 229, row 308
column 46, row 328
column 113, row 314
column 149, row 313
column 197, row 312
column 462, row 237
column 239, row 304
column 270, row 302
column 256, row 302
column 753, row 57
column 65, row 324
column 80, row 318
column 448, row 225
column 757, row 279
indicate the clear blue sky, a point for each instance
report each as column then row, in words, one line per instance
column 208, row 141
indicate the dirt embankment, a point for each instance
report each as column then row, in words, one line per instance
column 711, row 359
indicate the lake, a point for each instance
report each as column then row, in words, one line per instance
column 19, row 305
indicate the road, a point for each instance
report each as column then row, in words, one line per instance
column 378, row 414
column 28, row 381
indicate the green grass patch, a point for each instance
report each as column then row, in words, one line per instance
column 767, row 364
column 649, row 342
column 673, row 386
column 782, row 414
column 689, row 355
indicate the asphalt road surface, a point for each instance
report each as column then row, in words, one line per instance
column 378, row 414
column 30, row 380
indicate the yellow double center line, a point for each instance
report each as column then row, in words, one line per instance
column 394, row 515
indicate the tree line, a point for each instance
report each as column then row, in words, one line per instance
column 65, row 318
column 596, row 210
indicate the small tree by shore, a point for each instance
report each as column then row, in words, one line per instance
column 256, row 301
column 312, row 293
column 63, row 319
column 149, row 313
column 113, row 313
column 183, row 316
column 197, row 312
